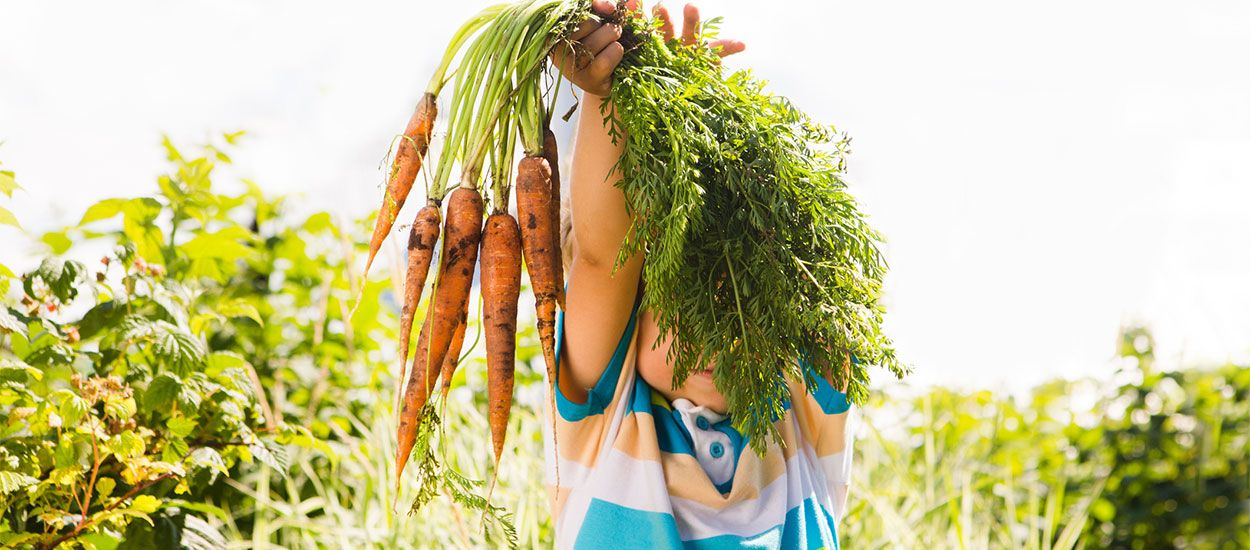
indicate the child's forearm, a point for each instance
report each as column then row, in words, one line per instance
column 600, row 220
column 601, row 294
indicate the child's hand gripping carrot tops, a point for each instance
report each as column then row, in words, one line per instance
column 644, row 464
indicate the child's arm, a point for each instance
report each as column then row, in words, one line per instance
column 599, row 299
column 601, row 294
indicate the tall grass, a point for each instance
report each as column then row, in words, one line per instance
column 933, row 469
column 342, row 495
column 913, row 486
column 947, row 471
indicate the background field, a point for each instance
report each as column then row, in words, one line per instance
column 196, row 380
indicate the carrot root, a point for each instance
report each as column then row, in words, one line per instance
column 462, row 232
column 453, row 355
column 533, row 198
column 501, row 288
column 552, row 156
column 421, row 241
column 404, row 168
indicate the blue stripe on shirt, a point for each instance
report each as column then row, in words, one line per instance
column 611, row 526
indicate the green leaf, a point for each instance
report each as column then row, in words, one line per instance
column 219, row 361
column 161, row 392
column 7, row 218
column 58, row 241
column 198, row 534
column 66, row 458
column 175, row 449
column 127, row 445
column 147, row 239
column 205, row 457
column 10, row 323
column 200, row 321
column 240, row 308
column 16, row 370
column 103, row 316
column 145, row 504
column 19, row 540
column 223, row 244
column 58, row 353
column 102, row 210
column 73, row 409
column 142, row 210
column 100, row 540
column 62, row 277
column 274, row 458
column 13, row 481
column 171, row 152
column 179, row 349
column 119, row 408
column 172, row 303
column 8, row 183
column 320, row 222
column 181, row 426
column 104, row 487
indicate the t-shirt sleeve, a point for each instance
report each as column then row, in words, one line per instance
column 599, row 396
column 827, row 418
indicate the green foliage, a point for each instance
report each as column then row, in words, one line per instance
column 132, row 383
column 1156, row 460
column 1178, row 445
column 86, row 448
column 757, row 253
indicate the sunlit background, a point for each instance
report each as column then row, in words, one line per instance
column 1045, row 172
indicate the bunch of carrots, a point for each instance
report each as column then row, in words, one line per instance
column 757, row 254
column 499, row 57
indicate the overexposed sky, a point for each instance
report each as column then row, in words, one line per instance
column 1044, row 171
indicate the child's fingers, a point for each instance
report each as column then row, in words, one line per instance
column 666, row 22
column 690, row 25
column 600, row 39
column 602, row 7
column 588, row 26
column 725, row 47
column 607, row 59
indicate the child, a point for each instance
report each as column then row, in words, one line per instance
column 643, row 464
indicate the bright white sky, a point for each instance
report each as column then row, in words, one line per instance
column 1044, row 171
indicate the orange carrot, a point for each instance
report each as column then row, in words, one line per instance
column 453, row 354
column 533, row 203
column 552, row 155
column 462, row 232
column 404, row 169
column 416, row 393
column 421, row 241
column 501, row 287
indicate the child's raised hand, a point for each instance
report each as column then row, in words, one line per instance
column 690, row 30
column 596, row 50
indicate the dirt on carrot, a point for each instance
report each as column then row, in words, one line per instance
column 421, row 240
column 501, row 289
column 552, row 155
column 462, row 232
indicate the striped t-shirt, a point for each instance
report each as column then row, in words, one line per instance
column 639, row 472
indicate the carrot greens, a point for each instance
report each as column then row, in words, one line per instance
column 757, row 255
